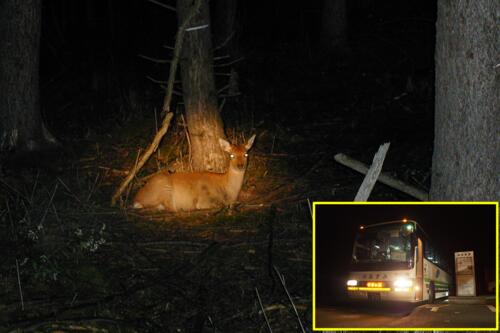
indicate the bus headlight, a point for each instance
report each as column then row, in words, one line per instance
column 352, row 282
column 403, row 283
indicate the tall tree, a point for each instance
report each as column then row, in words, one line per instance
column 466, row 160
column 21, row 126
column 334, row 25
column 198, row 86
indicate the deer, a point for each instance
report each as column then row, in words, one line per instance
column 188, row 191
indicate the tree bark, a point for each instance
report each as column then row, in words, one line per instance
column 466, row 162
column 202, row 115
column 334, row 25
column 21, row 126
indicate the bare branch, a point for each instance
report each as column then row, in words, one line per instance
column 230, row 63
column 198, row 27
column 224, row 43
column 165, row 108
column 222, row 57
column 155, row 60
column 155, row 80
column 161, row 4
column 223, row 88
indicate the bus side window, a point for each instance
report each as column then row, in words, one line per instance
column 429, row 252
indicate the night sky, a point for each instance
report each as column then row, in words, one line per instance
column 452, row 228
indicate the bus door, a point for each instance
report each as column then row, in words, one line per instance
column 419, row 285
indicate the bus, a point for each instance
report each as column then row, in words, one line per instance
column 395, row 261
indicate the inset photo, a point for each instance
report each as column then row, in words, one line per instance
column 405, row 266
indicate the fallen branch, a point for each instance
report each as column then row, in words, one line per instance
column 373, row 173
column 165, row 109
column 262, row 310
column 282, row 280
column 383, row 178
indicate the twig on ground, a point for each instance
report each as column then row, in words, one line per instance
column 310, row 207
column 67, row 189
column 263, row 311
column 49, row 204
column 93, row 187
column 56, row 214
column 270, row 222
column 14, row 190
column 34, row 187
column 282, row 280
column 10, row 215
column 19, row 284
column 212, row 323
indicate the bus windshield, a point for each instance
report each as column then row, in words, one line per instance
column 384, row 244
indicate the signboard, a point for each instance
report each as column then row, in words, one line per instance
column 464, row 272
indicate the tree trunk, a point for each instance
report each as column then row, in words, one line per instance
column 21, row 126
column 202, row 115
column 334, row 25
column 466, row 160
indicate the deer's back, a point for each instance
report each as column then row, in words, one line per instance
column 183, row 191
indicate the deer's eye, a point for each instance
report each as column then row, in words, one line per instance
column 246, row 155
column 232, row 155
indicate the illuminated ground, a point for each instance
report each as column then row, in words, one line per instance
column 428, row 316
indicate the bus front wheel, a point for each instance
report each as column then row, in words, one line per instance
column 432, row 292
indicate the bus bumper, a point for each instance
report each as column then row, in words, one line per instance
column 383, row 295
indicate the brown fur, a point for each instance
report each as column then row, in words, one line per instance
column 196, row 190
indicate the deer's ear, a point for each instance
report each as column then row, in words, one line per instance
column 226, row 146
column 250, row 142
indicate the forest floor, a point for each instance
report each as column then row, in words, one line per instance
column 72, row 263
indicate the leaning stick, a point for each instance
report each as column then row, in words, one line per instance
column 373, row 173
column 165, row 109
column 383, row 178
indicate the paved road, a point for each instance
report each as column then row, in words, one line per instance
column 405, row 316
